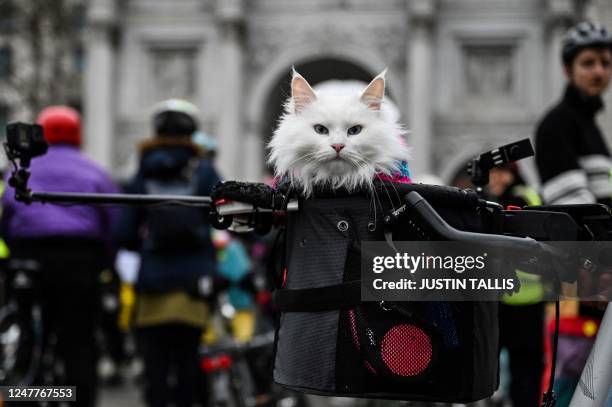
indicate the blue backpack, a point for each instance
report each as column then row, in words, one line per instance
column 175, row 228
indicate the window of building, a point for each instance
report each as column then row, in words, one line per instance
column 79, row 16
column 489, row 70
column 78, row 59
column 7, row 16
column 6, row 62
column 4, row 116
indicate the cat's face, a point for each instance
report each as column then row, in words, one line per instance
column 335, row 139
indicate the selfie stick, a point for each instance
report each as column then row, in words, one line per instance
column 26, row 141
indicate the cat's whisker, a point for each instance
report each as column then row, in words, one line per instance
column 305, row 157
column 372, row 201
column 399, row 199
column 386, row 191
column 361, row 165
column 377, row 199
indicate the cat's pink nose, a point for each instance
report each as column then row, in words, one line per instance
column 337, row 147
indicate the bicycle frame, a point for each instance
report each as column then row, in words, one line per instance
column 596, row 379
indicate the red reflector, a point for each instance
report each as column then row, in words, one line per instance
column 406, row 350
column 224, row 362
column 263, row 297
column 208, row 364
column 513, row 208
column 284, row 276
column 220, row 201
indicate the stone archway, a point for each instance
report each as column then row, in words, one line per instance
column 354, row 62
column 316, row 71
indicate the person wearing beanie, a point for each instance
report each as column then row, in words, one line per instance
column 61, row 124
column 71, row 244
column 178, row 259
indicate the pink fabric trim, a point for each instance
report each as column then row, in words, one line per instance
column 397, row 178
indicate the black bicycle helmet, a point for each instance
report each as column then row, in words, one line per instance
column 583, row 35
column 175, row 117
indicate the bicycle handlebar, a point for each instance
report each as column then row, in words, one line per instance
column 441, row 227
column 532, row 249
column 119, row 199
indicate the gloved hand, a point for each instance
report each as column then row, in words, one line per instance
column 257, row 194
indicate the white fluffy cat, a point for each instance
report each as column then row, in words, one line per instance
column 336, row 139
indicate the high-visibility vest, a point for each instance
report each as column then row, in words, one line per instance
column 531, row 291
column 4, row 251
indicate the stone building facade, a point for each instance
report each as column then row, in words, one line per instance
column 41, row 56
column 467, row 75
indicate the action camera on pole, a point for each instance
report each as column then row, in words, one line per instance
column 25, row 141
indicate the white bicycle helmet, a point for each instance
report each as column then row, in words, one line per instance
column 583, row 35
column 175, row 117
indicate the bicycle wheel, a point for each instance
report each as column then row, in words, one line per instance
column 20, row 346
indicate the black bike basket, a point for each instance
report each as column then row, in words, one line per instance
column 331, row 343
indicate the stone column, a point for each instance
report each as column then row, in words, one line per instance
column 230, row 18
column 98, row 103
column 254, row 157
column 560, row 14
column 420, row 84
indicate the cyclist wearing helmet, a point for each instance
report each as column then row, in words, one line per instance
column 572, row 157
column 178, row 260
column 70, row 243
column 575, row 167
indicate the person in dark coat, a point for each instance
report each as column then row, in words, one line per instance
column 177, row 256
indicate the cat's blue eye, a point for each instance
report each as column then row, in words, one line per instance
column 319, row 128
column 356, row 129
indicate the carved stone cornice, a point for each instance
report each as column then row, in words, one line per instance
column 560, row 13
column 265, row 41
column 422, row 12
column 102, row 14
column 230, row 12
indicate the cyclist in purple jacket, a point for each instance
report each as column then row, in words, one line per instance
column 70, row 243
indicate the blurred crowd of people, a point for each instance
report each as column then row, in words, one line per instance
column 153, row 270
column 157, row 270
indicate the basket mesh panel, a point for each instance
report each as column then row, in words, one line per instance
column 307, row 343
column 406, row 350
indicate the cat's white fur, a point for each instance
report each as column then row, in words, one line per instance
column 309, row 159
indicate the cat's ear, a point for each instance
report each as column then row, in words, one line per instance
column 301, row 92
column 374, row 93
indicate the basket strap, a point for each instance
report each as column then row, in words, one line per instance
column 327, row 298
